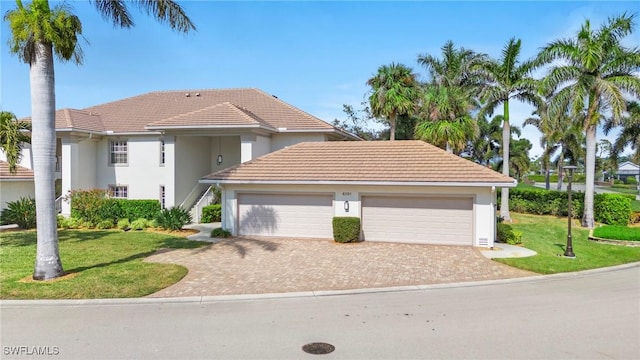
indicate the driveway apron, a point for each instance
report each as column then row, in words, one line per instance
column 254, row 265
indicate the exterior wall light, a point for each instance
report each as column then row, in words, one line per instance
column 346, row 206
column 219, row 160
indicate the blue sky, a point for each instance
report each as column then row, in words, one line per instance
column 316, row 55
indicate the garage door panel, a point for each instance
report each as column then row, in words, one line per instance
column 435, row 220
column 289, row 215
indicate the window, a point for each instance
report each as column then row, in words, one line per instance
column 118, row 152
column 161, row 152
column 162, row 197
column 119, row 191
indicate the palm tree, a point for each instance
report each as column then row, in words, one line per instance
column 38, row 33
column 630, row 133
column 508, row 79
column 520, row 160
column 12, row 137
column 394, row 91
column 449, row 97
column 446, row 120
column 485, row 148
column 594, row 69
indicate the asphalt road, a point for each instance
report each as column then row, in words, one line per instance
column 593, row 315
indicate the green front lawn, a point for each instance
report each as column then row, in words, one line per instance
column 547, row 235
column 99, row 263
column 617, row 232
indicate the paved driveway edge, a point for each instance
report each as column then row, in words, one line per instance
column 320, row 293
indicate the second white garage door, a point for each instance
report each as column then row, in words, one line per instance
column 289, row 215
column 425, row 220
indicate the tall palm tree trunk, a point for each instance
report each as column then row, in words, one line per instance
column 560, row 163
column 506, row 137
column 590, row 167
column 392, row 124
column 48, row 264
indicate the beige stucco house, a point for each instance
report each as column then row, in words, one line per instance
column 13, row 186
column 403, row 191
column 158, row 145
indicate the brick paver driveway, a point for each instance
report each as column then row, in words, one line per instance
column 272, row 265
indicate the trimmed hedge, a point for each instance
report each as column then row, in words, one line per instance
column 608, row 208
column 612, row 209
column 346, row 229
column 95, row 207
column 136, row 209
column 211, row 213
column 617, row 232
column 506, row 234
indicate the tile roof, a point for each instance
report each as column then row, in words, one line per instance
column 78, row 120
column 361, row 161
column 190, row 108
column 225, row 114
column 22, row 173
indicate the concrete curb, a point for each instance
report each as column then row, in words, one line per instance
column 316, row 294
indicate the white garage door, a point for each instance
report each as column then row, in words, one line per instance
column 425, row 220
column 290, row 215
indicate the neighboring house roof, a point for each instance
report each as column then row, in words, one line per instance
column 22, row 173
column 78, row 120
column 163, row 110
column 362, row 162
column 628, row 168
column 225, row 114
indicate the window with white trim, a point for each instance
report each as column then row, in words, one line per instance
column 162, row 197
column 161, row 152
column 119, row 191
column 118, row 154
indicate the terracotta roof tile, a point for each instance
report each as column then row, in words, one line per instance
column 376, row 161
column 134, row 113
column 21, row 172
column 216, row 115
column 178, row 108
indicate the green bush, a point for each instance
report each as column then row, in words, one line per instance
column 173, row 218
column 550, row 202
column 135, row 209
column 21, row 212
column 69, row 223
column 612, row 209
column 631, row 180
column 105, row 224
column 506, row 234
column 88, row 205
column 211, row 213
column 124, row 224
column 346, row 229
column 139, row 224
column 220, row 233
column 617, row 232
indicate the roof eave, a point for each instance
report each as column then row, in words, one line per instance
column 363, row 183
column 208, row 127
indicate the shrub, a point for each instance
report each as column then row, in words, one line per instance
column 551, row 202
column 211, row 213
column 346, row 229
column 21, row 212
column 173, row 218
column 617, row 232
column 220, row 233
column 139, row 224
column 612, row 209
column 135, row 209
column 71, row 223
column 105, row 224
column 631, row 180
column 87, row 205
column 506, row 234
column 635, row 217
column 124, row 224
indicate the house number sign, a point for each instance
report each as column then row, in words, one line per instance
column 346, row 194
